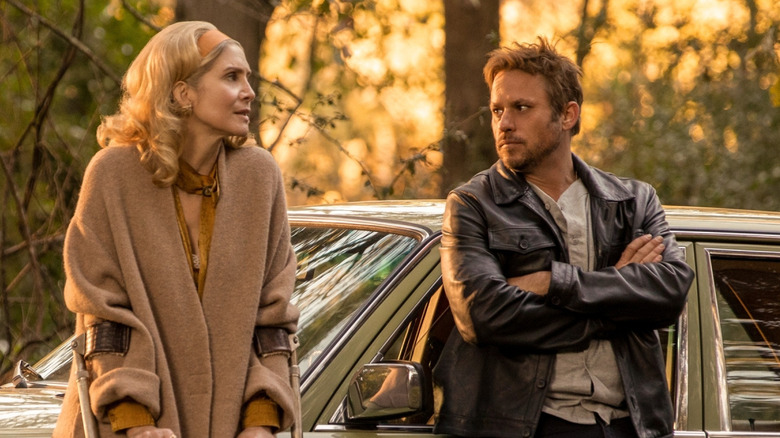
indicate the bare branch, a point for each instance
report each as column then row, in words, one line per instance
column 24, row 227
column 74, row 41
column 138, row 16
column 282, row 87
column 42, row 111
column 366, row 171
column 298, row 103
column 44, row 241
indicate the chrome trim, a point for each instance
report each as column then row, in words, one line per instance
column 27, row 433
column 417, row 232
column 416, row 429
column 682, row 365
column 720, row 355
column 719, row 434
column 329, row 428
column 720, row 359
column 685, row 234
column 742, row 252
column 681, row 381
column 367, row 310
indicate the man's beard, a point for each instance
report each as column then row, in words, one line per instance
column 531, row 157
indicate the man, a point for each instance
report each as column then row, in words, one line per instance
column 558, row 275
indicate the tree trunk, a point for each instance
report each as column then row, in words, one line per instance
column 471, row 28
column 244, row 21
column 588, row 28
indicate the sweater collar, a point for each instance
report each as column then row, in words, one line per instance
column 190, row 181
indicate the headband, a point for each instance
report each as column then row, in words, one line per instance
column 209, row 40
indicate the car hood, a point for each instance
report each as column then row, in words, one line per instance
column 34, row 410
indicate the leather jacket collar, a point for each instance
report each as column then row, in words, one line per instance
column 508, row 186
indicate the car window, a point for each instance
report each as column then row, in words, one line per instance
column 422, row 340
column 747, row 291
column 338, row 269
column 424, row 337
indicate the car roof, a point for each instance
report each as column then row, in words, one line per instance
column 424, row 213
column 427, row 213
column 723, row 223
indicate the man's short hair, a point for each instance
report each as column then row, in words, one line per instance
column 560, row 73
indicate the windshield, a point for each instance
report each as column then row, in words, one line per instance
column 338, row 269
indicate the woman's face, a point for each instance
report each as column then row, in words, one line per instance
column 223, row 96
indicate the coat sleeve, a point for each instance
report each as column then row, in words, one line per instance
column 487, row 309
column 649, row 295
column 269, row 374
column 95, row 291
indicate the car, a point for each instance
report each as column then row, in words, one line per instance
column 374, row 318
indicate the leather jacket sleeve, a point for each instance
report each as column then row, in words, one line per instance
column 649, row 295
column 488, row 310
column 580, row 305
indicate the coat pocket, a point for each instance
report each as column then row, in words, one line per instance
column 523, row 240
column 522, row 250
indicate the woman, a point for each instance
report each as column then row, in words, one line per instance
column 178, row 259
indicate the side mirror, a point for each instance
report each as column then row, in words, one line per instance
column 24, row 374
column 386, row 390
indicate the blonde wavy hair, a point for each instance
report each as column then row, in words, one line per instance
column 148, row 115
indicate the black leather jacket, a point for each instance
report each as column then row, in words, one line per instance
column 494, row 372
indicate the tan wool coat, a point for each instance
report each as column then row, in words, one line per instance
column 190, row 362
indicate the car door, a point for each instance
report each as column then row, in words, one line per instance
column 418, row 329
column 377, row 338
column 738, row 335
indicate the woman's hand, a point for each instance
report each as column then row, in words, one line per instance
column 149, row 432
column 256, row 432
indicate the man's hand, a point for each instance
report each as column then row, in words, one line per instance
column 644, row 249
column 537, row 282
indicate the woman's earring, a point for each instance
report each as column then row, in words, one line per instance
column 185, row 110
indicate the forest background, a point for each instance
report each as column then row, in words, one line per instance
column 383, row 99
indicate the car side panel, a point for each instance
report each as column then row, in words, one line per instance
column 324, row 397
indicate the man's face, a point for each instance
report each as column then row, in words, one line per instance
column 524, row 127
